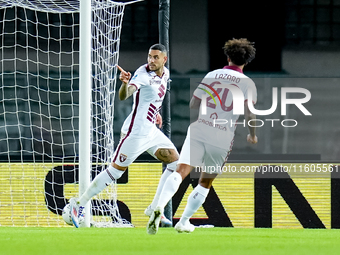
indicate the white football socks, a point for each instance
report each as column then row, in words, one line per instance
column 114, row 173
column 162, row 180
column 172, row 166
column 100, row 182
column 195, row 200
column 170, row 187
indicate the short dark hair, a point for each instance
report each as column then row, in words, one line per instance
column 159, row 47
column 240, row 51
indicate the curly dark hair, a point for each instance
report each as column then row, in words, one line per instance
column 240, row 51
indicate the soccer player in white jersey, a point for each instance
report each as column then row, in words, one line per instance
column 139, row 132
column 208, row 144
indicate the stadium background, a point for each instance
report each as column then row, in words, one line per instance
column 297, row 45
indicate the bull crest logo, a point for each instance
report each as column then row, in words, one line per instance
column 122, row 157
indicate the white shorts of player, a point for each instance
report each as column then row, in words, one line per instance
column 201, row 154
column 131, row 146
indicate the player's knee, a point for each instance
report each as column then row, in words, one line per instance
column 205, row 184
column 167, row 155
column 184, row 170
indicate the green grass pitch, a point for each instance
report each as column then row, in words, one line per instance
column 49, row 241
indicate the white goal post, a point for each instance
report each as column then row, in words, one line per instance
column 58, row 77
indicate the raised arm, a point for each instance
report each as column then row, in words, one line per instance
column 125, row 91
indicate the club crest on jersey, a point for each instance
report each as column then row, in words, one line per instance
column 122, row 157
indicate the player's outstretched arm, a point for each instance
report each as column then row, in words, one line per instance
column 125, row 91
column 251, row 137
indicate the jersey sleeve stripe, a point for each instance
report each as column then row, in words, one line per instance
column 132, row 84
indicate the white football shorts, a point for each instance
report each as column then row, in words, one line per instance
column 199, row 154
column 131, row 146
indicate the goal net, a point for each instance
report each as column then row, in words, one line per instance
column 39, row 109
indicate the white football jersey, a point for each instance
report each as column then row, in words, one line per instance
column 147, row 100
column 216, row 123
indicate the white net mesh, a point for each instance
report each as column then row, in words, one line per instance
column 39, row 108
